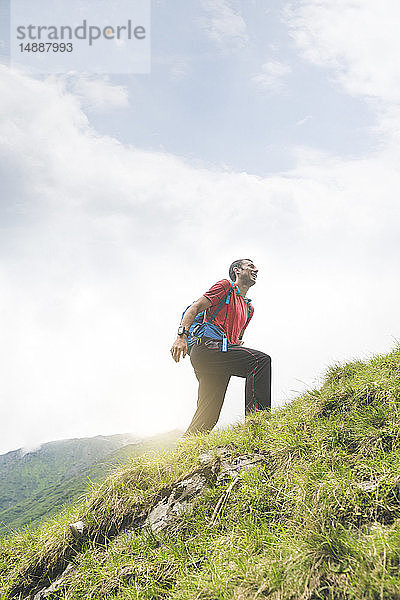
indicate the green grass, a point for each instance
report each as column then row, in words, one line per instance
column 321, row 520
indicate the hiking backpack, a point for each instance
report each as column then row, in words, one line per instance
column 201, row 328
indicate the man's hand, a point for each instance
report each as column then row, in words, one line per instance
column 179, row 347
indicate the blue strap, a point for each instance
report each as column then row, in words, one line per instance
column 249, row 311
column 220, row 305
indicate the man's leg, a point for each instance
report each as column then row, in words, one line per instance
column 258, row 382
column 212, row 389
column 213, row 369
column 255, row 366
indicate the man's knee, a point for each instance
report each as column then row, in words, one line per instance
column 259, row 360
column 265, row 359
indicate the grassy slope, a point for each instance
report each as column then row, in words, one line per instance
column 321, row 521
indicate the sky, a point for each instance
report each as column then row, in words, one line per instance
column 264, row 130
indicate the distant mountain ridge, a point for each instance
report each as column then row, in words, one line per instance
column 37, row 484
column 23, row 474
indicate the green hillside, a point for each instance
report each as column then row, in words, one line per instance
column 42, row 479
column 23, row 474
column 302, row 504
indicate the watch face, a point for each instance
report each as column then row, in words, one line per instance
column 181, row 329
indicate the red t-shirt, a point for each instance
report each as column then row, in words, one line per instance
column 232, row 317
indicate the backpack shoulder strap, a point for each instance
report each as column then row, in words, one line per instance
column 225, row 300
column 247, row 320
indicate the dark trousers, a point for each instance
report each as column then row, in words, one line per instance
column 214, row 369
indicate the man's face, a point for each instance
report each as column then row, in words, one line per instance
column 247, row 274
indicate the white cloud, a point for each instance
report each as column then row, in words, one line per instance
column 357, row 39
column 104, row 245
column 224, row 26
column 272, row 76
column 97, row 93
column 305, row 120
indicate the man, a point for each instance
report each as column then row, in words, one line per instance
column 219, row 353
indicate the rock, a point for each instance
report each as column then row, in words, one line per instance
column 219, row 452
column 179, row 498
column 165, row 512
column 205, row 458
column 46, row 592
column 233, row 467
column 368, row 486
column 77, row 529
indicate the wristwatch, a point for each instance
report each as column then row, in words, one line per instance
column 182, row 330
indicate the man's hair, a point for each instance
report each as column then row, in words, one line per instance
column 234, row 265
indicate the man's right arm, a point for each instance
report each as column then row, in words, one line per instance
column 180, row 345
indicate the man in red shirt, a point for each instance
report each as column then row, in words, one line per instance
column 219, row 353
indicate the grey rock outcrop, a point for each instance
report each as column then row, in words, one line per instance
column 170, row 503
